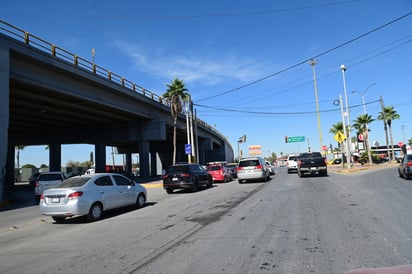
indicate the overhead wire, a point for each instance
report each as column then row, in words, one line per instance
column 283, row 113
column 307, row 60
column 407, row 39
column 239, row 14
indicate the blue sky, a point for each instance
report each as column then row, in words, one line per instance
column 244, row 62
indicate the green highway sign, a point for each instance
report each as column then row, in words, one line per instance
column 296, row 139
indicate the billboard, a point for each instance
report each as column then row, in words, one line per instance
column 255, row 150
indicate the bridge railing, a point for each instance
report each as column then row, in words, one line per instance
column 58, row 52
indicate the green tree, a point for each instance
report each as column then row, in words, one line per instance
column 175, row 94
column 389, row 114
column 338, row 127
column 361, row 124
column 410, row 141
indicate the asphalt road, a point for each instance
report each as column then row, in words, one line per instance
column 288, row 225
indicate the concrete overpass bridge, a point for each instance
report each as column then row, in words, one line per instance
column 50, row 96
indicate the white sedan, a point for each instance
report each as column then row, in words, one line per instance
column 90, row 195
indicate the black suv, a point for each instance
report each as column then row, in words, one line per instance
column 186, row 176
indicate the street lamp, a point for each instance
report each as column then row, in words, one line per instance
column 313, row 62
column 349, row 137
column 366, row 139
column 363, row 96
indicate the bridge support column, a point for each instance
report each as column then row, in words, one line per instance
column 153, row 164
column 10, row 170
column 100, row 156
column 128, row 167
column 4, row 116
column 55, row 157
column 144, row 158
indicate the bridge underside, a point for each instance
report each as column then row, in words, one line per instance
column 45, row 102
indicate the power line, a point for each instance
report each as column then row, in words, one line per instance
column 280, row 113
column 307, row 60
column 239, row 14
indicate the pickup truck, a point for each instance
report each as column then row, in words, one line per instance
column 312, row 163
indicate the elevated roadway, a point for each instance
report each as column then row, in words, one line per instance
column 50, row 96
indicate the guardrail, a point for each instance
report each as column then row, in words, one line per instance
column 39, row 43
column 77, row 61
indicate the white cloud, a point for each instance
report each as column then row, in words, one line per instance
column 194, row 69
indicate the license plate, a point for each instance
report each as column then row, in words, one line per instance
column 175, row 179
column 313, row 168
column 55, row 200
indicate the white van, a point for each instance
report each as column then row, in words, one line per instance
column 47, row 180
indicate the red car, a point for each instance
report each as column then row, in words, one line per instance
column 219, row 172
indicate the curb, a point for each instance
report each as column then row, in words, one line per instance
column 152, row 185
column 4, row 203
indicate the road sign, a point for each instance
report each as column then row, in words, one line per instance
column 188, row 149
column 295, row 139
column 339, row 137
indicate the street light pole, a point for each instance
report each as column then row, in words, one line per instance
column 349, row 136
column 313, row 62
column 363, row 96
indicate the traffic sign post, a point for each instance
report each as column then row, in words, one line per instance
column 339, row 137
column 296, row 139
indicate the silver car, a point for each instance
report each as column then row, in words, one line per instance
column 90, row 195
column 253, row 168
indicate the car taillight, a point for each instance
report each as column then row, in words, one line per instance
column 41, row 197
column 409, row 164
column 299, row 162
column 185, row 175
column 165, row 176
column 239, row 168
column 75, row 195
column 258, row 167
column 36, row 184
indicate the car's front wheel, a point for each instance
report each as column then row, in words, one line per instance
column 95, row 212
column 209, row 182
column 140, row 201
column 195, row 186
column 58, row 219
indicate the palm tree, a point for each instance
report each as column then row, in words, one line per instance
column 362, row 125
column 175, row 94
column 18, row 148
column 338, row 127
column 389, row 114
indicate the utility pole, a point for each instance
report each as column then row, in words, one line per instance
column 385, row 127
column 346, row 136
column 349, row 136
column 189, row 155
column 192, row 138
